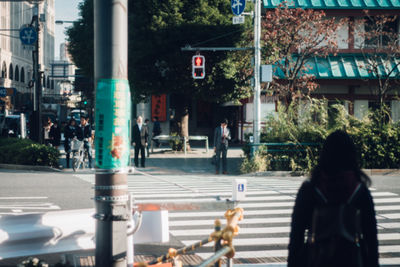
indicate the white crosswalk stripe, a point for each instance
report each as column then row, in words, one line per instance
column 25, row 204
column 264, row 232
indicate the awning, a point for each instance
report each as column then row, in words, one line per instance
column 348, row 67
column 336, row 4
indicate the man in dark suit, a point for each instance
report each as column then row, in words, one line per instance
column 140, row 136
column 222, row 135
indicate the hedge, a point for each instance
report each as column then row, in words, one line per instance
column 27, row 152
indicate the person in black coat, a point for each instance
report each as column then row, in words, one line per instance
column 337, row 177
column 84, row 133
column 222, row 136
column 69, row 134
column 55, row 135
column 140, row 137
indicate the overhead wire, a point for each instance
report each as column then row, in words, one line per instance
column 216, row 38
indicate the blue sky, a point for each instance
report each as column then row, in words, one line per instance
column 65, row 10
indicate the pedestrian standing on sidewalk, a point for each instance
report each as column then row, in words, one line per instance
column 46, row 131
column 140, row 140
column 69, row 134
column 337, row 184
column 222, row 135
column 84, row 133
column 55, row 135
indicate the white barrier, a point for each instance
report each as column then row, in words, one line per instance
column 45, row 233
column 64, row 231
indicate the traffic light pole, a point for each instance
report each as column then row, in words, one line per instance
column 257, row 63
column 112, row 131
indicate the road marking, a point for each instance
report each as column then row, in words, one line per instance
column 218, row 213
column 386, row 200
column 17, row 198
column 391, row 216
column 385, row 208
column 253, row 230
column 237, row 241
column 389, row 226
column 247, row 221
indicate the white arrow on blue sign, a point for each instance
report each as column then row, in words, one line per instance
column 238, row 6
column 28, row 35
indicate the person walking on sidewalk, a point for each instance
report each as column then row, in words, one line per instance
column 222, row 135
column 84, row 133
column 140, row 137
column 69, row 134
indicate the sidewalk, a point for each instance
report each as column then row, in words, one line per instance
column 165, row 161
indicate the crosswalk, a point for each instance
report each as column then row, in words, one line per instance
column 264, row 232
column 11, row 205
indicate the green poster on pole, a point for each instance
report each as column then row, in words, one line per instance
column 113, row 115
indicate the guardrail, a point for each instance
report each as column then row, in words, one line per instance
column 179, row 138
column 223, row 243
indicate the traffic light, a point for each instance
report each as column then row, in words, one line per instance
column 198, row 67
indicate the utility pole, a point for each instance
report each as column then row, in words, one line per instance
column 257, row 63
column 112, row 112
column 37, row 93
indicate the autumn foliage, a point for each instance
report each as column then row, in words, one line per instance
column 291, row 37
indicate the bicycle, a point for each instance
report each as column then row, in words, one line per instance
column 79, row 154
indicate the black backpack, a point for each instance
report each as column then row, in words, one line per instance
column 335, row 237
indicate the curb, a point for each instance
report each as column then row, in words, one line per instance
column 29, row 168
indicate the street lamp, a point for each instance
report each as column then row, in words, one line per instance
column 61, row 22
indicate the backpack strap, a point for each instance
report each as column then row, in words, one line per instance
column 321, row 195
column 354, row 193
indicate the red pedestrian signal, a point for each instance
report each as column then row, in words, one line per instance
column 198, row 67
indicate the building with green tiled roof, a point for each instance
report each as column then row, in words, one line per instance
column 344, row 76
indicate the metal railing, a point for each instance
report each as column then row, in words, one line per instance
column 222, row 238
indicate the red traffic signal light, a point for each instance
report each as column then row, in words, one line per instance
column 198, row 67
column 198, row 61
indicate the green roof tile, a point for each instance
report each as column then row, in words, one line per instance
column 337, row 4
column 346, row 67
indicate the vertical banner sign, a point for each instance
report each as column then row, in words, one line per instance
column 113, row 115
column 159, row 107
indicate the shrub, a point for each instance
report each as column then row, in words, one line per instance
column 26, row 152
column 377, row 141
column 258, row 163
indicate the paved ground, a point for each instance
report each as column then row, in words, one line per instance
column 198, row 160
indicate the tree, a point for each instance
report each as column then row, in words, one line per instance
column 291, row 37
column 381, row 52
column 157, row 32
column 158, row 29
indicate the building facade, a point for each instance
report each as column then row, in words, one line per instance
column 344, row 77
column 16, row 63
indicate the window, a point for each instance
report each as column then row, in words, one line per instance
column 11, row 72
column 16, row 73
column 378, row 30
column 4, row 71
column 22, row 75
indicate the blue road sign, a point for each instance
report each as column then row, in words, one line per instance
column 28, row 35
column 238, row 6
column 240, row 187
